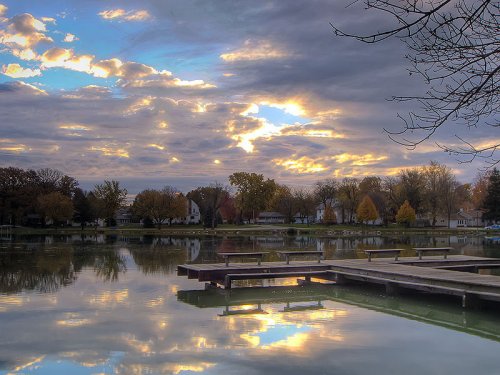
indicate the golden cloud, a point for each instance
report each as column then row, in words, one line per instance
column 303, row 164
column 17, row 71
column 8, row 145
column 65, row 58
column 251, row 51
column 110, row 150
column 123, row 15
column 359, row 160
column 24, row 31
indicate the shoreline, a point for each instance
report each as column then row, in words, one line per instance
column 340, row 230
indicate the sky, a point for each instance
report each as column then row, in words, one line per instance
column 184, row 93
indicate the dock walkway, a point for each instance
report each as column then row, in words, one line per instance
column 432, row 274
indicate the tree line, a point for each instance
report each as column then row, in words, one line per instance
column 36, row 197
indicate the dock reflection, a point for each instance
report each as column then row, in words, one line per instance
column 427, row 309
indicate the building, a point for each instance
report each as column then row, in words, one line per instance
column 270, row 218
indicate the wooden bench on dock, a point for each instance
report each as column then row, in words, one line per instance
column 443, row 250
column 253, row 255
column 395, row 252
column 287, row 254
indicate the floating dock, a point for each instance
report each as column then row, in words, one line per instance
column 456, row 275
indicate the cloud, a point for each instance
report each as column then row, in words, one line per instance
column 24, row 31
column 17, row 71
column 65, row 58
column 3, row 10
column 251, row 51
column 123, row 15
column 69, row 38
column 303, row 164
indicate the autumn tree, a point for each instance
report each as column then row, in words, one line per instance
column 253, row 192
column 325, row 191
column 210, row 199
column 151, row 204
column 329, row 216
column 406, row 214
column 55, row 207
column 175, row 203
column 492, row 199
column 110, row 197
column 284, row 202
column 304, row 199
column 348, row 196
column 480, row 188
column 453, row 45
column 366, row 210
column 372, row 186
column 413, row 187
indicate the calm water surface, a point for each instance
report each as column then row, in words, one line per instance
column 111, row 305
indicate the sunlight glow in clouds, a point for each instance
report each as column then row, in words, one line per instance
column 251, row 51
column 359, row 160
column 303, row 164
column 17, row 71
column 123, row 15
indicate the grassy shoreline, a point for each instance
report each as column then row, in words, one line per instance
column 294, row 229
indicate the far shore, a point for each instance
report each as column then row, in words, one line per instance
column 226, row 229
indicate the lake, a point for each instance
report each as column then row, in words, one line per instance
column 114, row 305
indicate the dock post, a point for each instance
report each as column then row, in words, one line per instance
column 470, row 301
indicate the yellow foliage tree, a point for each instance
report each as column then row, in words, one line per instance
column 366, row 210
column 406, row 214
column 329, row 217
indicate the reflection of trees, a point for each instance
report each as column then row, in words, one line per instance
column 47, row 270
column 35, row 271
column 157, row 259
column 109, row 265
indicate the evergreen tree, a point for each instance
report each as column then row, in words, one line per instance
column 492, row 199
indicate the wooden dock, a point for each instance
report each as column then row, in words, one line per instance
column 432, row 274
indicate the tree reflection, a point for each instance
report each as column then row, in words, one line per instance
column 46, row 270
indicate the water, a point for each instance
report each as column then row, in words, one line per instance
column 104, row 305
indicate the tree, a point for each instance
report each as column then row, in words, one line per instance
column 84, row 210
column 480, row 189
column 348, row 193
column 413, row 187
column 210, row 199
column 305, row 203
column 55, row 206
column 406, row 214
column 253, row 192
column 110, row 198
column 454, row 46
column 176, row 203
column 283, row 201
column 366, row 210
column 492, row 199
column 437, row 180
column 329, row 216
column 151, row 204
